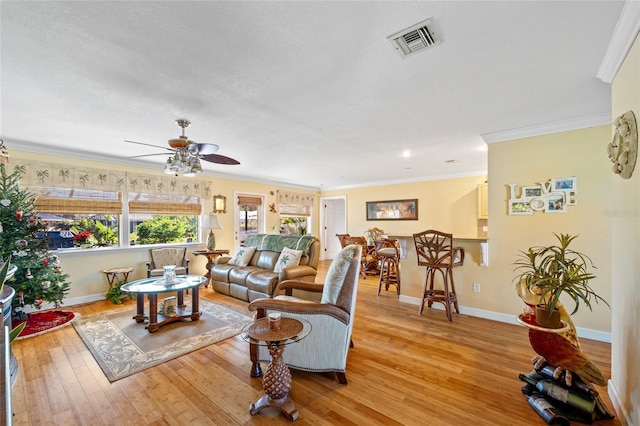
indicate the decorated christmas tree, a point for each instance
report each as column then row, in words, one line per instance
column 39, row 278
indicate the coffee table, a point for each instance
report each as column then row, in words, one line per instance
column 158, row 285
column 277, row 377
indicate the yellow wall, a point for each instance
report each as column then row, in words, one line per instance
column 448, row 205
column 625, row 229
column 580, row 153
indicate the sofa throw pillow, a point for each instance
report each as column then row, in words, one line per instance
column 336, row 273
column 242, row 256
column 288, row 257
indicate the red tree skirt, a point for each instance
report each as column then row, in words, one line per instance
column 41, row 322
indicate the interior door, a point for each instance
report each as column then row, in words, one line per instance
column 249, row 216
column 334, row 221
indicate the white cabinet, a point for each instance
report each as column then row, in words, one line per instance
column 483, row 201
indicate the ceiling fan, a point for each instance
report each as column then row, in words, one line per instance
column 187, row 153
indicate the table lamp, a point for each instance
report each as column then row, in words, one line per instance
column 211, row 222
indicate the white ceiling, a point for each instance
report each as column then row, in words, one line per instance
column 305, row 93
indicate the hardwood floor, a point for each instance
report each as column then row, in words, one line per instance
column 404, row 370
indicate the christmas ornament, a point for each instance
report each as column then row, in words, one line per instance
column 19, row 214
column 45, row 261
column 21, row 244
column 45, row 284
column 38, row 302
column 29, row 275
column 5, row 202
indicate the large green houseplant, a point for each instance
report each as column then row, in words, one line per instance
column 549, row 271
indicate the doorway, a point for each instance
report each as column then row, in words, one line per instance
column 249, row 213
column 333, row 220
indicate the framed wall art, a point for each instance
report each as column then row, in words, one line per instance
column 393, row 210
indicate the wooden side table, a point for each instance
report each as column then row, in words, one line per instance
column 112, row 275
column 277, row 377
column 211, row 256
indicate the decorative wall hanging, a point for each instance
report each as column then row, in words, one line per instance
column 552, row 196
column 392, row 210
column 219, row 204
column 623, row 149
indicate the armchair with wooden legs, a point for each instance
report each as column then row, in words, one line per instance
column 325, row 349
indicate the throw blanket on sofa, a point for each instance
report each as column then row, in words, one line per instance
column 276, row 242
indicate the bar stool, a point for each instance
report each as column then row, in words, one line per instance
column 436, row 252
column 388, row 252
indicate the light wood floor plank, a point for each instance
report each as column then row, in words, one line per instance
column 405, row 369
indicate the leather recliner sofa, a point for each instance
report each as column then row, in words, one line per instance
column 258, row 279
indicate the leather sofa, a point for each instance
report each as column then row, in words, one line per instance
column 257, row 279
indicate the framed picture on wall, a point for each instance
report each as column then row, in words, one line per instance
column 531, row 191
column 555, row 203
column 393, row 210
column 520, row 208
column 564, row 184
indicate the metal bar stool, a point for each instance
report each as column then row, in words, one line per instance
column 388, row 253
column 436, row 252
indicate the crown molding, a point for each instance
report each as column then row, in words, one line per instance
column 548, row 128
column 624, row 34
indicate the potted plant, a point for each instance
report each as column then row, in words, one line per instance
column 549, row 271
column 115, row 293
column 82, row 239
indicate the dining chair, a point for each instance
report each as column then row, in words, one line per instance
column 436, row 252
column 388, row 252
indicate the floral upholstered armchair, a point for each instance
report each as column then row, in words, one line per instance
column 161, row 257
column 326, row 347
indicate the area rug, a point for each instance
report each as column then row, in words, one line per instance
column 43, row 322
column 123, row 347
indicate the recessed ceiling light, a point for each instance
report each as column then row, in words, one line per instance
column 406, row 153
column 452, row 161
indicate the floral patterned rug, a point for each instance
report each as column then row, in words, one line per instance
column 123, row 347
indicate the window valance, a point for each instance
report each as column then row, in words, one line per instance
column 295, row 198
column 43, row 174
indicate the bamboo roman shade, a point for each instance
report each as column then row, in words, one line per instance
column 161, row 208
column 249, row 201
column 78, row 206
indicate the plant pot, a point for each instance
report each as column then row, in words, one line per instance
column 547, row 319
column 5, row 302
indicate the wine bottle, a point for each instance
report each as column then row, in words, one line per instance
column 577, row 383
column 584, row 403
column 547, row 411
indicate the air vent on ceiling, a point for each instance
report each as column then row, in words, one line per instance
column 415, row 38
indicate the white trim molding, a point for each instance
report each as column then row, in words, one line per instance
column 585, row 333
column 548, row 128
column 624, row 34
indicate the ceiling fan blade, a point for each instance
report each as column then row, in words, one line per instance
column 148, row 155
column 220, row 159
column 148, row 144
column 203, row 148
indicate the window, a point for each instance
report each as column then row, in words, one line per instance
column 69, row 211
column 155, row 219
column 295, row 211
column 114, row 206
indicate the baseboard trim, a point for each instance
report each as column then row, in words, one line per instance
column 585, row 333
column 67, row 303
column 623, row 415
